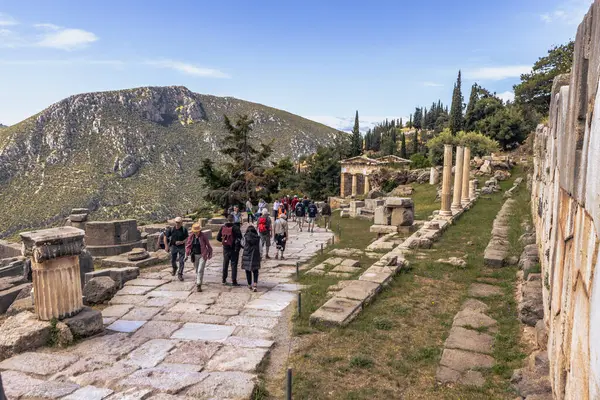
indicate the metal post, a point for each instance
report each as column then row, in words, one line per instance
column 333, row 240
column 299, row 303
column 289, row 384
column 321, row 248
column 297, row 269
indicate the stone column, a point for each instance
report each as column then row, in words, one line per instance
column 343, row 185
column 464, row 198
column 472, row 186
column 458, row 176
column 354, row 184
column 367, row 184
column 55, row 269
column 446, row 182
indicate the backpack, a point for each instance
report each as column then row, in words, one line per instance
column 227, row 235
column 299, row 209
column 262, row 224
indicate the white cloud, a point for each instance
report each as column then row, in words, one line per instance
column 7, row 20
column 570, row 12
column 62, row 62
column 507, row 96
column 497, row 73
column 346, row 124
column 50, row 27
column 67, row 39
column 189, row 69
column 433, row 84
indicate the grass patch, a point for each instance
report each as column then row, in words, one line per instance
column 424, row 197
column 403, row 330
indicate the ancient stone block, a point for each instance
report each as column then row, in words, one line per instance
column 86, row 323
column 336, row 311
column 99, row 289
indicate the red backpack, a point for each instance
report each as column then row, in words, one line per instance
column 227, row 236
column 262, row 224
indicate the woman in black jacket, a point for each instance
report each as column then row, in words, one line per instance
column 251, row 257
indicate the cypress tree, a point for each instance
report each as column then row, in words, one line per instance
column 356, row 138
column 456, row 115
column 416, row 142
column 403, row 146
column 400, row 124
column 418, row 118
column 469, row 123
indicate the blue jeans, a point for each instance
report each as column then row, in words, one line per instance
column 177, row 254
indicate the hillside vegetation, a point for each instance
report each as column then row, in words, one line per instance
column 128, row 153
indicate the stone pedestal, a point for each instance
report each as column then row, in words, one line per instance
column 464, row 198
column 473, row 184
column 446, row 182
column 458, row 168
column 55, row 265
column 402, row 211
column 111, row 238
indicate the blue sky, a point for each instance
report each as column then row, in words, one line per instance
column 319, row 59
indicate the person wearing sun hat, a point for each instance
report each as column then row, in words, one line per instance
column 175, row 243
column 199, row 249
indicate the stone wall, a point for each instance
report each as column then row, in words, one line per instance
column 566, row 210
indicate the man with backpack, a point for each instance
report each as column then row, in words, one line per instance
column 326, row 213
column 312, row 215
column 264, row 230
column 276, row 205
column 293, row 208
column 281, row 235
column 199, row 249
column 299, row 212
column 230, row 237
column 174, row 240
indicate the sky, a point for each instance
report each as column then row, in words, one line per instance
column 319, row 59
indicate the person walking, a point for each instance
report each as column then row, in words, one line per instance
column 265, row 232
column 251, row 257
column 300, row 213
column 326, row 213
column 276, row 205
column 230, row 237
column 312, row 212
column 293, row 207
column 250, row 211
column 174, row 240
column 199, row 249
column 281, row 235
column 237, row 216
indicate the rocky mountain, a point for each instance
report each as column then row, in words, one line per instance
column 128, row 153
column 3, row 126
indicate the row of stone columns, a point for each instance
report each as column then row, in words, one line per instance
column 367, row 186
column 461, row 196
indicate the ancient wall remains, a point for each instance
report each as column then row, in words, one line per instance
column 566, row 210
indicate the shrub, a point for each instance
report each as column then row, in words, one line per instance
column 479, row 144
column 389, row 185
column 383, row 324
column 361, row 362
column 419, row 161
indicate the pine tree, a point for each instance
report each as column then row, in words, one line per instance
column 469, row 123
column 403, row 146
column 356, row 138
column 456, row 111
column 418, row 118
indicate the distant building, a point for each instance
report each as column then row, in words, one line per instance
column 356, row 171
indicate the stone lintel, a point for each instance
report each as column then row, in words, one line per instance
column 52, row 243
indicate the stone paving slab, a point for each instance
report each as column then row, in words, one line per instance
column 345, row 269
column 127, row 299
column 125, row 326
column 360, row 290
column 461, row 361
column 131, row 394
column 193, row 352
column 230, row 358
column 238, row 341
column 336, row 311
column 484, row 290
column 379, row 276
column 475, row 305
column 176, row 295
column 253, row 332
column 185, row 307
column 258, row 322
column 473, row 319
column 116, row 311
column 116, row 344
column 16, row 384
column 134, row 290
column 208, row 332
column 104, row 376
column 89, row 393
column 163, row 379
column 224, row 385
column 38, row 363
column 157, row 329
column 154, row 283
column 466, row 339
column 51, row 390
column 140, row 313
column 151, row 353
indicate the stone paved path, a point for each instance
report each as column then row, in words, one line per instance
column 165, row 341
column 469, row 346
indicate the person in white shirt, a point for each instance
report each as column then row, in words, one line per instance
column 275, row 209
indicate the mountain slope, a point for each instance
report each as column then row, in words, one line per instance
column 128, row 153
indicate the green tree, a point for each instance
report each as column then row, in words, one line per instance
column 356, row 138
column 415, row 143
column 472, row 100
column 242, row 174
column 403, row 146
column 535, row 88
column 507, row 125
column 456, row 110
column 479, row 144
column 417, row 121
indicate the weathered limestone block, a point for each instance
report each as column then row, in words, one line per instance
column 403, row 216
column 382, row 217
column 86, row 323
column 22, row 332
column 109, row 238
column 531, row 307
column 434, row 176
column 55, row 265
column 119, row 275
column 336, row 311
column 98, row 290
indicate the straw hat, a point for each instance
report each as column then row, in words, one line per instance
column 196, row 228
